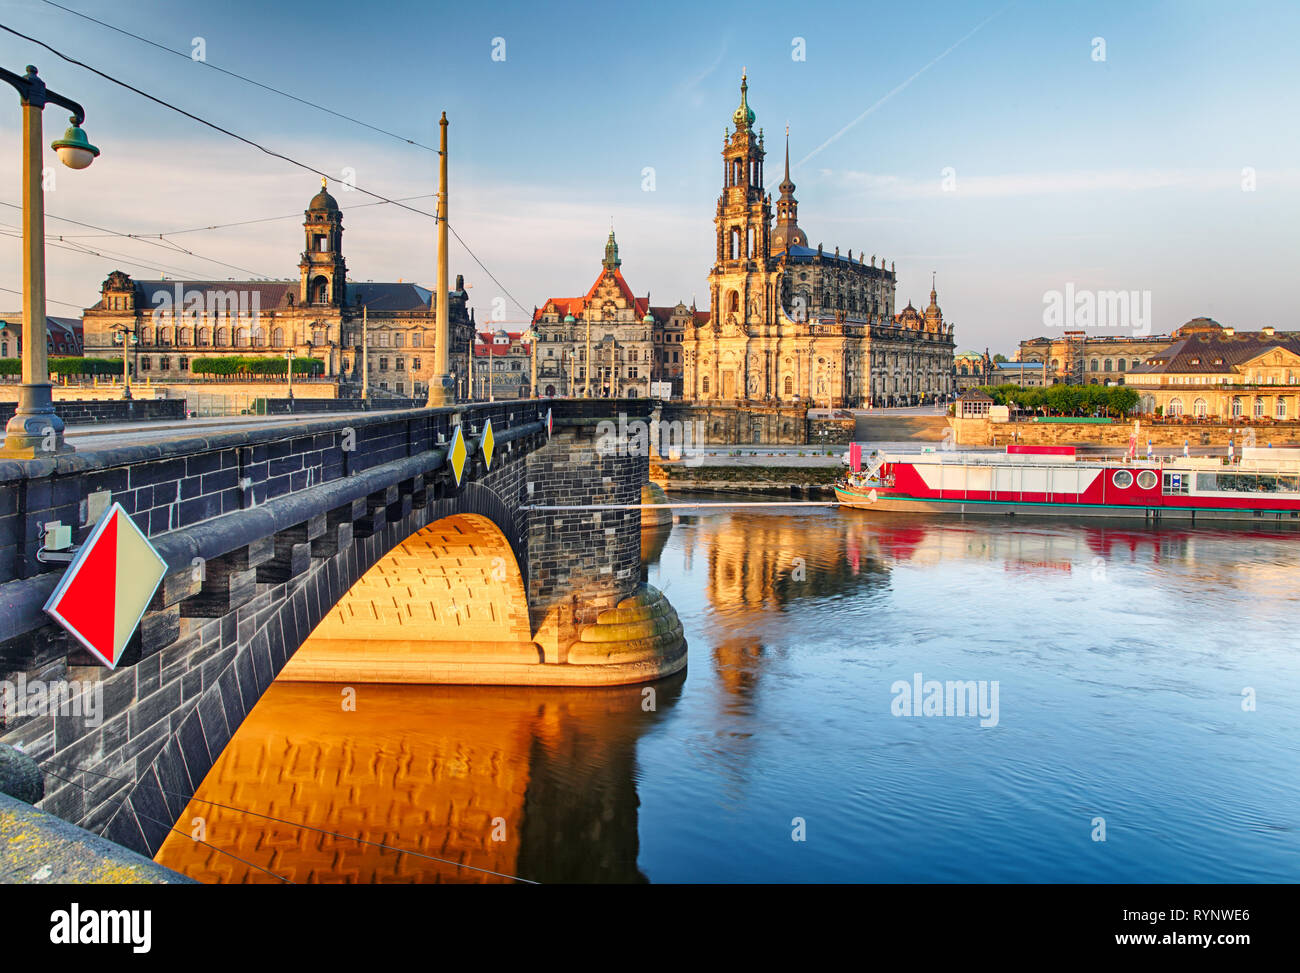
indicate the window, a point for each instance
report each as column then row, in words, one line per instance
column 1146, row 479
column 400, row 364
column 416, row 339
column 204, row 337
column 1092, row 365
column 145, row 363
column 1176, row 483
column 1175, row 406
column 345, row 362
column 318, row 337
column 383, row 339
column 164, row 363
column 415, row 364
column 401, row 388
column 1236, row 407
column 1199, row 408
column 1281, row 407
column 1259, row 408
column 704, row 384
column 383, row 364
column 1121, row 364
column 789, row 385
column 184, row 364
column 1122, row 479
column 399, row 340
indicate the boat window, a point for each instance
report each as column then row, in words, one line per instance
column 1122, row 479
column 1174, row 483
column 1146, row 479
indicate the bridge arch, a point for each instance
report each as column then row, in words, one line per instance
column 450, row 594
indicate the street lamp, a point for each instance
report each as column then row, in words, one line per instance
column 530, row 336
column 127, row 338
column 288, row 358
column 35, row 428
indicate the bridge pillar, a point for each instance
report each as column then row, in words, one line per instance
column 587, row 603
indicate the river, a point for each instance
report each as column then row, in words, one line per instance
column 1110, row 703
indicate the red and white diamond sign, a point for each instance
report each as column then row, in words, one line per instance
column 108, row 585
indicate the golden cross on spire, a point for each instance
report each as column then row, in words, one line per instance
column 324, row 183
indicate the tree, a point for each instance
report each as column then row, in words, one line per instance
column 1123, row 400
column 1000, row 358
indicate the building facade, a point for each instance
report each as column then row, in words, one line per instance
column 1077, row 358
column 793, row 324
column 387, row 328
column 502, row 366
column 601, row 344
column 1210, row 371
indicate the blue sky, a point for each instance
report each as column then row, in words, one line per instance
column 1117, row 174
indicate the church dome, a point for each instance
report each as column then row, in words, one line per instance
column 744, row 115
column 323, row 201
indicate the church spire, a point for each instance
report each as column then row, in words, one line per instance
column 744, row 115
column 934, row 297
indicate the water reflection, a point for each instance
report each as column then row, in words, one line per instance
column 511, row 781
column 1122, row 652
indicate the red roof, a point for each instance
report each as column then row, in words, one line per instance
column 576, row 305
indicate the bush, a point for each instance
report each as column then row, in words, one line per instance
column 11, row 366
column 85, row 366
column 255, row 365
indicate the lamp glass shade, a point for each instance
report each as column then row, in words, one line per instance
column 74, row 149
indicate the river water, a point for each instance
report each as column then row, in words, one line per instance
column 1135, row 684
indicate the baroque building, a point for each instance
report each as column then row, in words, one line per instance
column 1210, row 371
column 791, row 324
column 387, row 328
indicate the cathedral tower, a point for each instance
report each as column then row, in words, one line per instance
column 324, row 274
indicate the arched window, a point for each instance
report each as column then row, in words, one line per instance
column 704, row 384
column 1106, row 365
column 1175, row 406
column 1121, row 364
column 789, row 385
column 204, row 337
column 221, row 341
column 320, row 291
column 241, row 337
column 1281, row 407
column 733, row 301
column 1236, row 407
column 277, row 338
column 1199, row 408
column 1092, row 365
column 1259, row 407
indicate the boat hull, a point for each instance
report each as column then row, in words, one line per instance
column 889, row 502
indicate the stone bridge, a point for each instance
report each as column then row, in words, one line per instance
column 327, row 550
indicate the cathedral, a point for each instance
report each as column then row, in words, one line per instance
column 320, row 315
column 792, row 324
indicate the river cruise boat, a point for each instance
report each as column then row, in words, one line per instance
column 1263, row 484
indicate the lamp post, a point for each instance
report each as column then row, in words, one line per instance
column 288, row 359
column 35, row 429
column 530, row 336
column 127, row 338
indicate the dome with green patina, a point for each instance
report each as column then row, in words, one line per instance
column 569, row 319
column 744, row 115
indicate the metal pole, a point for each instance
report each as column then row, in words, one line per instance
column 438, row 390
column 532, row 348
column 35, row 429
column 365, row 357
column 587, row 392
column 288, row 355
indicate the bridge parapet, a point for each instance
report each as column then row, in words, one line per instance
column 264, row 533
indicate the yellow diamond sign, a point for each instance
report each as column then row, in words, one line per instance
column 488, row 442
column 457, row 454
